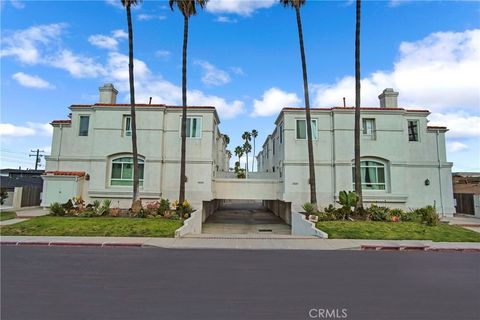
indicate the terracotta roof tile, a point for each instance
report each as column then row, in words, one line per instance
column 65, row 173
column 61, row 122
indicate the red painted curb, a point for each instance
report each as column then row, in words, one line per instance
column 8, row 243
column 69, row 244
column 416, row 248
column 122, row 245
column 75, row 244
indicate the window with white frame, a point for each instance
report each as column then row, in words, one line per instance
column 83, row 127
column 412, row 130
column 122, row 171
column 372, row 174
column 128, row 125
column 301, row 129
column 194, row 127
column 369, row 128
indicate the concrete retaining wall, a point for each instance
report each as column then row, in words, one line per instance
column 302, row 227
column 281, row 209
column 192, row 225
column 209, row 207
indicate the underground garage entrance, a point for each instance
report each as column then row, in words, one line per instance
column 244, row 217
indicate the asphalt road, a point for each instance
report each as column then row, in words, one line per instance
column 151, row 283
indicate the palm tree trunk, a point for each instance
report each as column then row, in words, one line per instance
column 181, row 197
column 136, row 183
column 358, row 181
column 311, row 163
column 246, row 168
column 253, row 159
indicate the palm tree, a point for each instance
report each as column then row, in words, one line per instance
column 239, row 152
column 226, row 138
column 358, row 176
column 296, row 4
column 254, row 135
column 136, row 182
column 247, row 136
column 188, row 9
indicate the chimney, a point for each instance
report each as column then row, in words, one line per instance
column 108, row 94
column 388, row 98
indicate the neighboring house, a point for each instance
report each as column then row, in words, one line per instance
column 92, row 153
column 9, row 184
column 20, row 173
column 403, row 160
column 466, row 191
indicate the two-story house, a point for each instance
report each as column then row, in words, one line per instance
column 91, row 153
column 403, row 159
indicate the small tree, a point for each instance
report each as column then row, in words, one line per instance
column 254, row 135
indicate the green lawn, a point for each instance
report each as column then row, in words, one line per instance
column 396, row 231
column 7, row 215
column 112, row 227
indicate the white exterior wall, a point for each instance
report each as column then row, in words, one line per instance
column 159, row 143
column 408, row 164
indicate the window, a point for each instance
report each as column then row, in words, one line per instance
column 273, row 145
column 128, row 125
column 281, row 133
column 83, row 128
column 372, row 174
column 122, row 171
column 369, row 128
column 302, row 129
column 412, row 130
column 194, row 127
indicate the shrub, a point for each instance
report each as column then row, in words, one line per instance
column 3, row 195
column 326, row 216
column 347, row 201
column 377, row 213
column 152, row 207
column 175, row 216
column 309, row 208
column 143, row 213
column 105, row 208
column 428, row 215
column 56, row 209
column 164, row 206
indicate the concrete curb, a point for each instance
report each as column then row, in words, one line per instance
column 415, row 248
column 69, row 244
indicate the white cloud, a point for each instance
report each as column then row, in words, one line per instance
column 456, row 146
column 273, row 100
column 31, row 129
column 104, row 42
column 115, row 3
column 225, row 19
column 78, row 66
column 460, row 124
column 396, row 3
column 438, row 72
column 31, row 81
column 17, row 4
column 28, row 45
column 240, row 7
column 119, row 34
column 163, row 54
column 237, row 71
column 212, row 75
column 149, row 17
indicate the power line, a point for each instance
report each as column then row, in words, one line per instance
column 38, row 157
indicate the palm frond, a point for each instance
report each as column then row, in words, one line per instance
column 187, row 7
column 292, row 3
column 130, row 2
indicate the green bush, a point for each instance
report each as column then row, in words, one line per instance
column 428, row 215
column 348, row 201
column 57, row 209
column 310, row 208
column 164, row 206
column 377, row 213
column 175, row 216
column 3, row 195
column 326, row 216
column 105, row 208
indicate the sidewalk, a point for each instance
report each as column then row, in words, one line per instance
column 264, row 243
column 470, row 223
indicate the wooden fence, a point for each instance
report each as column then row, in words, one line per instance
column 31, row 196
column 465, row 203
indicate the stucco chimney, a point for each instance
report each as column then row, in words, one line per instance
column 108, row 94
column 388, row 98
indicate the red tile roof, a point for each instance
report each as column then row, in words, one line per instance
column 353, row 108
column 65, row 173
column 137, row 105
column 61, row 122
column 437, row 127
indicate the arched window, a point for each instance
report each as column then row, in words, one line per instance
column 372, row 174
column 122, row 171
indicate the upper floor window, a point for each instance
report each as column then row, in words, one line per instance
column 194, row 127
column 372, row 175
column 128, row 125
column 412, row 130
column 302, row 129
column 369, row 128
column 122, row 171
column 83, row 128
column 281, row 133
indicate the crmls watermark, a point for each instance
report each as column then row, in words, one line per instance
column 328, row 313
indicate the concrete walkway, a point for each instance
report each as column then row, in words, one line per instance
column 264, row 243
column 11, row 221
column 470, row 223
column 245, row 218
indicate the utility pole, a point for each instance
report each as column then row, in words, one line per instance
column 38, row 157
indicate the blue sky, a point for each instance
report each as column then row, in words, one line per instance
column 243, row 59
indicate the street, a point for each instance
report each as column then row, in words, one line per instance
column 153, row 283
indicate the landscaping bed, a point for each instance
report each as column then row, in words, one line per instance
column 99, row 226
column 7, row 215
column 396, row 231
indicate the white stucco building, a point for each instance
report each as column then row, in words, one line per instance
column 91, row 152
column 403, row 158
